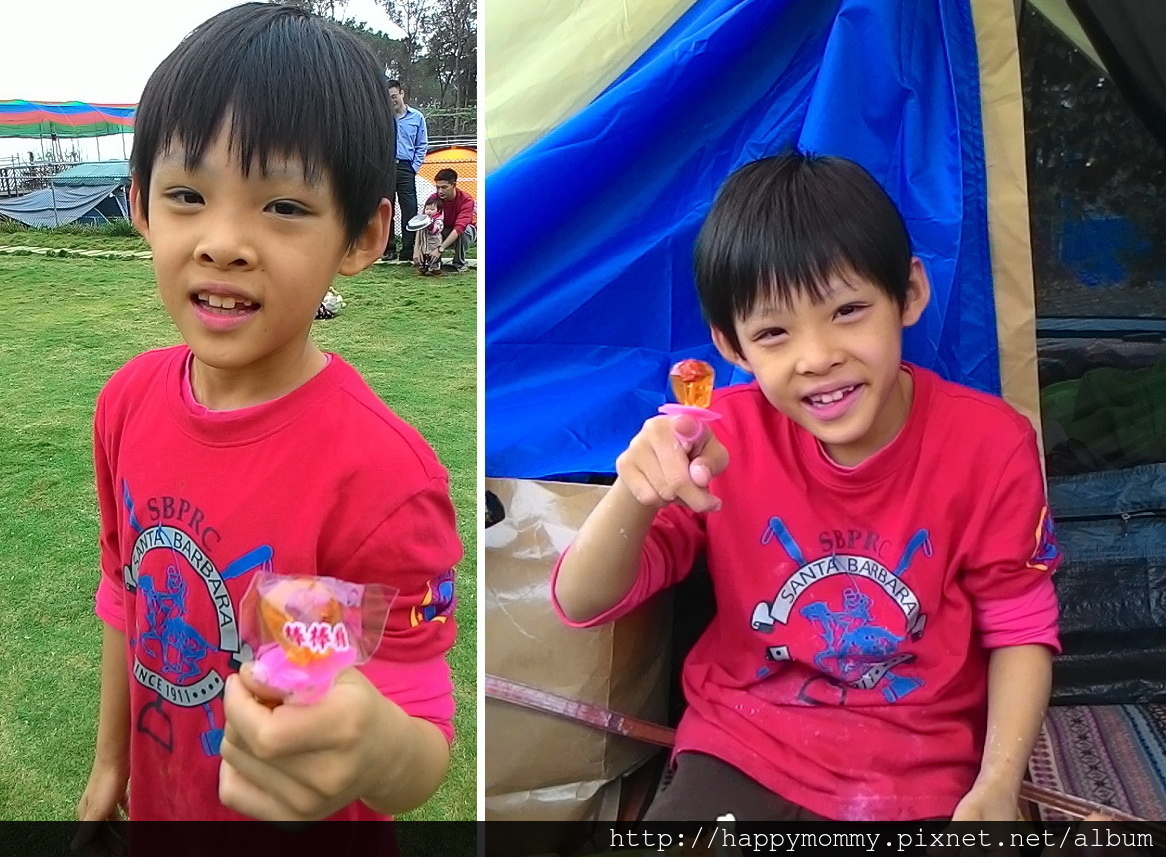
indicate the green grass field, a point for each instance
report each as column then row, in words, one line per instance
column 66, row 325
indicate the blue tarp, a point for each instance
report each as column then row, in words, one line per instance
column 590, row 296
column 61, row 205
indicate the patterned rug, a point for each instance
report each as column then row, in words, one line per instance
column 1112, row 754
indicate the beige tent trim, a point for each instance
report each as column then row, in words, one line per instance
column 1002, row 111
column 545, row 62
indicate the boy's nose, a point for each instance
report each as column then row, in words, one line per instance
column 224, row 245
column 817, row 355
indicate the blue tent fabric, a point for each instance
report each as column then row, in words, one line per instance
column 583, row 323
column 58, row 206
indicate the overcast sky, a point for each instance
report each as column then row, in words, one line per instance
column 101, row 51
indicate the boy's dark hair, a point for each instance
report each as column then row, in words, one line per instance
column 446, row 175
column 294, row 86
column 434, row 201
column 781, row 227
column 394, row 83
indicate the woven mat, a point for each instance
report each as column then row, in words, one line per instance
column 1112, row 754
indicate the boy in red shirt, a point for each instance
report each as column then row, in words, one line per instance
column 878, row 538
column 262, row 167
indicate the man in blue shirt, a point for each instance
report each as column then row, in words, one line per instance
column 412, row 144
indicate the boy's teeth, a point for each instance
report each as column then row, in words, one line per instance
column 223, row 302
column 830, row 398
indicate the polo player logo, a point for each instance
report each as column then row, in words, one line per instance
column 857, row 648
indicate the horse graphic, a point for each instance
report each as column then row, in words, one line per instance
column 857, row 651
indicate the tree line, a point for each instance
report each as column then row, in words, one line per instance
column 436, row 62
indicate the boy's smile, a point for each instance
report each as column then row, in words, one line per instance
column 834, row 367
column 220, row 307
column 242, row 263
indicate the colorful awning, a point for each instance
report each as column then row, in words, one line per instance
column 64, row 119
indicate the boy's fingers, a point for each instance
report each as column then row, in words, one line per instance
column 287, row 783
column 86, row 830
column 712, row 455
column 285, row 731
column 241, row 795
column 253, row 685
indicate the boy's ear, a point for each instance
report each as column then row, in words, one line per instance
column 137, row 211
column 918, row 293
column 370, row 243
column 727, row 350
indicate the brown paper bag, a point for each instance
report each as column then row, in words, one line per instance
column 539, row 767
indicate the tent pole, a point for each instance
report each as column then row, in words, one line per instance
column 98, row 139
column 56, row 216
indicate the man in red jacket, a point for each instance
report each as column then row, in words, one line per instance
column 461, row 219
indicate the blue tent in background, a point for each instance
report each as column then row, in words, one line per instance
column 589, row 291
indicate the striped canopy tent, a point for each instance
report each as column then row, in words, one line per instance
column 610, row 128
column 64, row 119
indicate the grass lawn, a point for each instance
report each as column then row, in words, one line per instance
column 107, row 237
column 67, row 325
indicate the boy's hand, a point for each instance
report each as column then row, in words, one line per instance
column 299, row 762
column 662, row 465
column 104, row 799
column 989, row 802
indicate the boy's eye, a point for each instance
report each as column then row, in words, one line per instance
column 287, row 208
column 849, row 309
column 769, row 334
column 185, row 197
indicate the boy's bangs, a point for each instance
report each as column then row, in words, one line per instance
column 285, row 86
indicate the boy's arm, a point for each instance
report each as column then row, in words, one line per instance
column 111, row 760
column 602, row 564
column 414, row 759
column 603, row 560
column 1015, row 604
column 1019, row 683
column 381, row 734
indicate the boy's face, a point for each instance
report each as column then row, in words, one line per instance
column 242, row 263
column 431, row 210
column 446, row 189
column 834, row 367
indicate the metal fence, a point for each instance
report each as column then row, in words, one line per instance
column 18, row 177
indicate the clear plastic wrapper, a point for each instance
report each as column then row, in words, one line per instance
column 305, row 630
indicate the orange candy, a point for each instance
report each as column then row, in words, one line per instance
column 298, row 600
column 692, row 383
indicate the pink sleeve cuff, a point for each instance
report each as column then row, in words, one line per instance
column 422, row 688
column 1026, row 619
column 109, row 607
column 625, row 605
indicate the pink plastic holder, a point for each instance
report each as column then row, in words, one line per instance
column 701, row 415
column 304, row 630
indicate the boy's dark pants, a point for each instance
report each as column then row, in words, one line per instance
column 704, row 788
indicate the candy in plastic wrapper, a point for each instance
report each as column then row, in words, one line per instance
column 305, row 630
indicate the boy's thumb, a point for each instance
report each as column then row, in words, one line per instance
column 253, row 676
column 709, row 456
